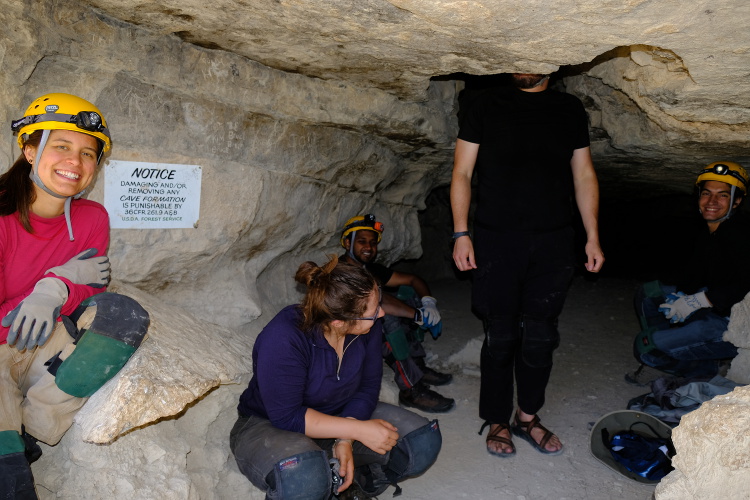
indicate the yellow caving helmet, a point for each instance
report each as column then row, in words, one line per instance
column 362, row 222
column 725, row 171
column 60, row 111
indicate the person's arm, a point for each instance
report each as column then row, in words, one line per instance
column 587, row 198
column 92, row 231
column 395, row 307
column 377, row 434
column 407, row 279
column 97, row 221
column 464, row 160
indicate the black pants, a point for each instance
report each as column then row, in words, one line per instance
column 520, row 286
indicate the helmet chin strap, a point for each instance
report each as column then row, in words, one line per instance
column 34, row 175
column 731, row 210
column 351, row 247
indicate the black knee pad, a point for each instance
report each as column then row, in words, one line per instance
column 306, row 476
column 540, row 339
column 415, row 452
column 502, row 335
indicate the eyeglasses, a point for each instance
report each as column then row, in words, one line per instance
column 377, row 311
column 721, row 169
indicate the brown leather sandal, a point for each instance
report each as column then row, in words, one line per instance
column 493, row 436
column 523, row 430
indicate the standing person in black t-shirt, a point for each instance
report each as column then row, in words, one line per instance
column 409, row 314
column 530, row 147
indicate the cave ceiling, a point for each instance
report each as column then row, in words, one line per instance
column 671, row 77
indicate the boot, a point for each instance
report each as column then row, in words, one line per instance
column 423, row 398
column 16, row 480
column 32, row 450
column 435, row 378
column 353, row 492
column 430, row 376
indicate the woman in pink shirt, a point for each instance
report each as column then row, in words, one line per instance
column 53, row 265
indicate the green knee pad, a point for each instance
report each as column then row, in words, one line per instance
column 10, row 442
column 405, row 293
column 653, row 289
column 644, row 341
column 118, row 329
column 97, row 359
column 399, row 344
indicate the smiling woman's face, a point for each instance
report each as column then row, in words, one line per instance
column 68, row 163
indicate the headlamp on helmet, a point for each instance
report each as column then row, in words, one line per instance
column 362, row 222
column 728, row 172
column 63, row 112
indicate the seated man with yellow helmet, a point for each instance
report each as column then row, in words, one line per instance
column 685, row 314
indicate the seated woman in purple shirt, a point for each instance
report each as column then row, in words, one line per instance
column 313, row 398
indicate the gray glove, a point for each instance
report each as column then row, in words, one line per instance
column 33, row 320
column 85, row 269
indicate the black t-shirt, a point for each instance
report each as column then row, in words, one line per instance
column 381, row 273
column 718, row 261
column 526, row 141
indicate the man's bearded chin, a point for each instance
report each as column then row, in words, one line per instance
column 527, row 81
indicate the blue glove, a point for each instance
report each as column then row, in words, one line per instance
column 680, row 307
column 85, row 269
column 436, row 330
column 429, row 316
column 33, row 320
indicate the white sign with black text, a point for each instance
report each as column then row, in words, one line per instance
column 141, row 195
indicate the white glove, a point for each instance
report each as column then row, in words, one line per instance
column 85, row 269
column 680, row 307
column 33, row 320
column 430, row 316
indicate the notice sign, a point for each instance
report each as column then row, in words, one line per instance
column 141, row 195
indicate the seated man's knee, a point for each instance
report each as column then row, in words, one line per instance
column 644, row 343
column 540, row 339
column 415, row 452
column 103, row 347
column 306, row 476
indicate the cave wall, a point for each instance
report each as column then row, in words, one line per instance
column 286, row 158
column 304, row 114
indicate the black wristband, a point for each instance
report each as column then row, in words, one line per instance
column 461, row 233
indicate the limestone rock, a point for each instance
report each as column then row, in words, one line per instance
column 738, row 333
column 181, row 360
column 713, row 451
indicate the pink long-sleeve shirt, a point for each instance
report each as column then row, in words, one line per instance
column 25, row 257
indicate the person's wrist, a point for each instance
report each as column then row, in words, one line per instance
column 418, row 317
column 459, row 234
column 339, row 441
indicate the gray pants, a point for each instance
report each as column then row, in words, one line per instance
column 262, row 451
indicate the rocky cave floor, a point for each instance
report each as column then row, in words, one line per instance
column 597, row 328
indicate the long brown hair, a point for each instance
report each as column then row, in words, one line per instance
column 335, row 291
column 17, row 189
